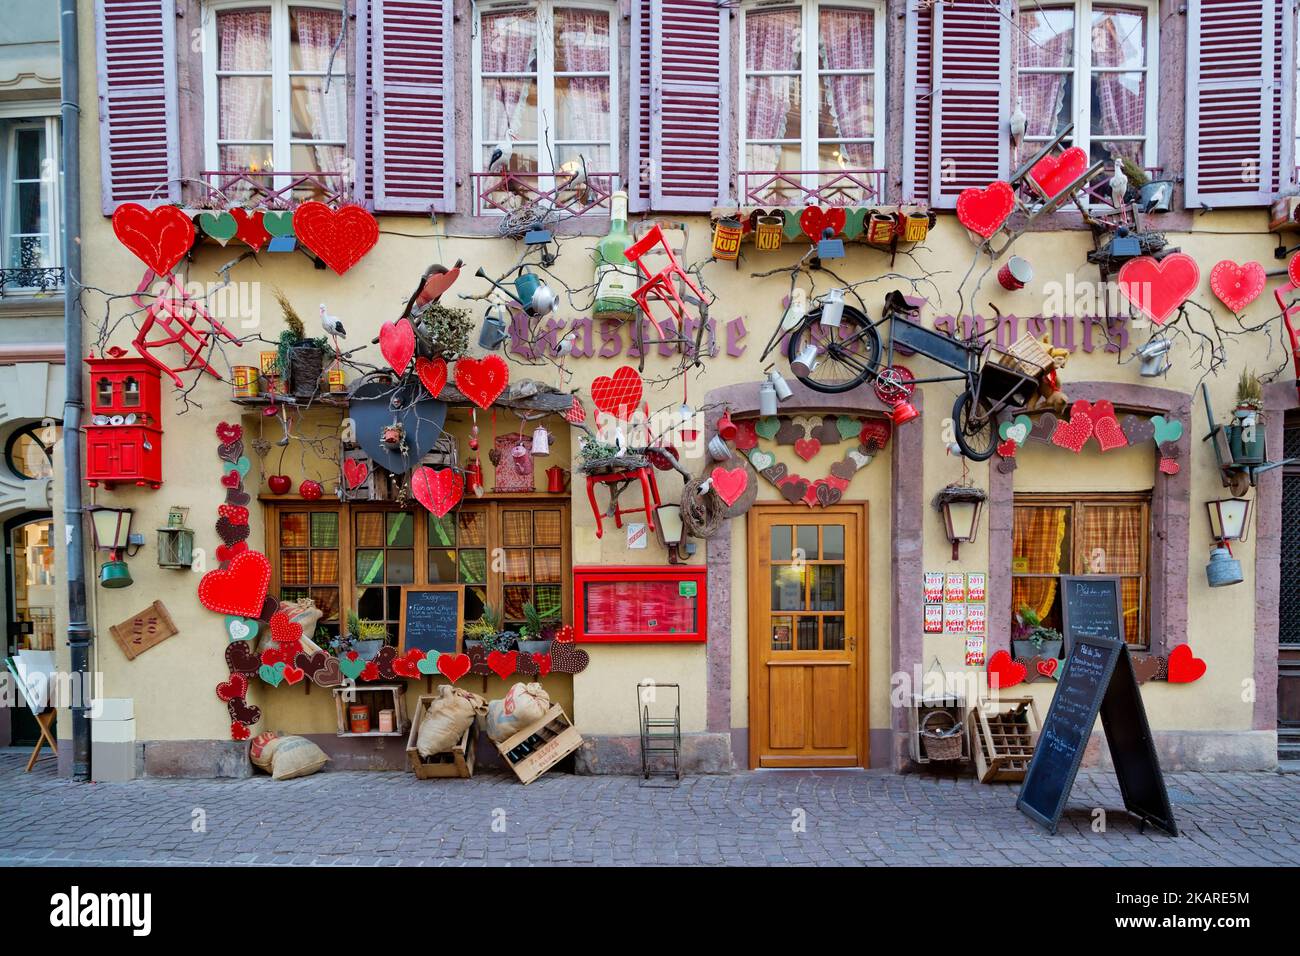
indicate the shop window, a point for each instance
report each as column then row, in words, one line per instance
column 1095, row 534
column 384, row 559
column 308, row 565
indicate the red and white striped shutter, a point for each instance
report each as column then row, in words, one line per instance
column 638, row 123
column 690, row 122
column 363, row 125
column 971, row 96
column 918, row 50
column 135, row 46
column 414, row 130
column 1233, row 120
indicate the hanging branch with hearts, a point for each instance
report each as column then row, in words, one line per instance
column 1089, row 423
column 807, row 436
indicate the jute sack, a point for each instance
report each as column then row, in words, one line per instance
column 447, row 719
column 524, row 704
column 296, row 757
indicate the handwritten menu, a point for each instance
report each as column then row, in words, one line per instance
column 1091, row 607
column 431, row 620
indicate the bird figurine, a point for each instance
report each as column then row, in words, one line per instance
column 573, row 180
column 332, row 324
column 499, row 162
column 436, row 280
column 565, row 345
column 1118, row 187
column 1017, row 124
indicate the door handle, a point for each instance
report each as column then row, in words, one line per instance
column 853, row 643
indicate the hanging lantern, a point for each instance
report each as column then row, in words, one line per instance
column 726, row 239
column 175, row 541
column 768, row 233
column 961, row 506
column 112, row 528
column 1229, row 519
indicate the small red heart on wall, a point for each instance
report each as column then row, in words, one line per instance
column 983, row 211
column 1237, row 286
column 1184, row 666
column 1052, row 174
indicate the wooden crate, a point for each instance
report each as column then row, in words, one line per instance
column 561, row 739
column 923, row 706
column 377, row 697
column 1003, row 734
column 457, row 762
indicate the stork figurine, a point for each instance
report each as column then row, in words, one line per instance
column 333, row 327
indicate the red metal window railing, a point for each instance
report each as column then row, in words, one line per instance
column 271, row 190
column 511, row 192
column 811, row 187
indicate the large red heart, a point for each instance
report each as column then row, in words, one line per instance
column 1158, row 288
column 355, row 472
column 1074, row 434
column 239, row 589
column 983, row 211
column 1293, row 269
column 338, row 237
column 617, row 394
column 1184, row 666
column 236, row 686
column 1237, row 286
column 397, row 344
column 159, row 238
column 1052, row 174
column 1004, row 671
column 729, row 483
column 1105, row 426
column 432, row 374
column 482, row 380
column 503, row 663
column 439, row 489
column 284, row 629
column 249, row 228
column 453, row 666
column 814, row 221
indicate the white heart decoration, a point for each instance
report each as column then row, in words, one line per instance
column 859, row 459
column 239, row 630
column 1018, row 433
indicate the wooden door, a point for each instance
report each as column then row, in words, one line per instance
column 808, row 637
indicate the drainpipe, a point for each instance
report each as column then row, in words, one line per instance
column 80, row 635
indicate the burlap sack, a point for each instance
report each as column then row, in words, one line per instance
column 447, row 719
column 262, row 748
column 304, row 612
column 296, row 757
column 524, row 704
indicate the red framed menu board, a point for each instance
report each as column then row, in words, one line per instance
column 640, row 605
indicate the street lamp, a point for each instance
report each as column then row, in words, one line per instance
column 961, row 506
column 112, row 527
column 1229, row 519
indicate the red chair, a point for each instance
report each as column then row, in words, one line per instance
column 661, row 285
column 649, row 492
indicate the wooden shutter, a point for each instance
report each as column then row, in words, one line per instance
column 918, row 49
column 412, row 68
column 971, row 95
column 690, row 124
column 1234, row 61
column 638, row 122
column 135, row 46
column 363, row 114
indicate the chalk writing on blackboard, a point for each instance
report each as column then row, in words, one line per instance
column 431, row 618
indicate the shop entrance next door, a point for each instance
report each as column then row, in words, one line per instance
column 807, row 636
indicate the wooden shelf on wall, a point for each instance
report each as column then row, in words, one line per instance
column 519, row 396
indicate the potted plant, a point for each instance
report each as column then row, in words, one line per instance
column 300, row 359
column 443, row 331
column 537, row 632
column 1031, row 637
column 1246, row 433
column 483, row 632
column 365, row 637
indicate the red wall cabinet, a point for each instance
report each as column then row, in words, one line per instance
column 640, row 605
column 123, row 437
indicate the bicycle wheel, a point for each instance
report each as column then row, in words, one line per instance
column 977, row 429
column 847, row 356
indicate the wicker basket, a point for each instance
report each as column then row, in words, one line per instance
column 942, row 737
column 1027, row 356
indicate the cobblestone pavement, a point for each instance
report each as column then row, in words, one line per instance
column 858, row 817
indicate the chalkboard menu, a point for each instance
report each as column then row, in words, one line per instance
column 1091, row 607
column 432, row 618
column 1097, row 678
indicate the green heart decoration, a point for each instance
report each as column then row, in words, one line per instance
column 854, row 219
column 240, row 628
column 428, row 664
column 273, row 674
column 351, row 668
column 792, row 229
column 278, row 223
column 768, row 427
column 848, row 427
column 1017, row 429
column 220, row 226
column 1166, row 429
column 761, row 459
column 240, row 466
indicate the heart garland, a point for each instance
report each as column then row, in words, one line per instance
column 338, row 237
column 819, row 492
column 159, row 238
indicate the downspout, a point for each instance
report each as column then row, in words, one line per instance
column 80, row 635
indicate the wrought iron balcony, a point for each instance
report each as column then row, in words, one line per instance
column 31, row 280
column 811, row 187
column 270, row 190
column 519, row 194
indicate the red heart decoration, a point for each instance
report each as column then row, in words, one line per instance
column 370, row 671
column 617, row 394
column 432, row 374
column 503, row 663
column 814, row 221
column 983, row 211
column 159, row 237
column 231, row 479
column 235, row 514
column 239, row 731
column 565, row 634
column 293, row 675
column 482, row 380
column 355, row 471
column 1158, row 288
column 1007, row 449
column 576, row 414
column 1074, row 434
column 271, row 655
column 1048, row 667
column 746, row 436
column 1237, row 286
column 1293, row 269
column 227, row 433
column 338, row 237
column 249, row 228
column 807, row 448
column 874, row 435
column 397, row 344
column 439, row 490
column 1184, row 667
column 235, row 686
column 1106, row 427
column 284, row 629
column 1168, row 466
column 405, row 668
column 237, row 590
column 227, row 551
column 730, row 483
column 453, row 666
column 543, row 662
column 1004, row 672
column 1052, row 174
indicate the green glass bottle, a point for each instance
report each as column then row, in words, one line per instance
column 616, row 278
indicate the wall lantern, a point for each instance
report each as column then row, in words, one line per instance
column 175, row 541
column 1229, row 519
column 112, row 527
column 672, row 532
column 961, row 506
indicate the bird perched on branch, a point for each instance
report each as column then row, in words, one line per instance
column 436, row 280
column 333, row 327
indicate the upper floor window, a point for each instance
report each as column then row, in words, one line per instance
column 812, row 92
column 30, row 203
column 1091, row 64
column 545, row 87
column 276, row 96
